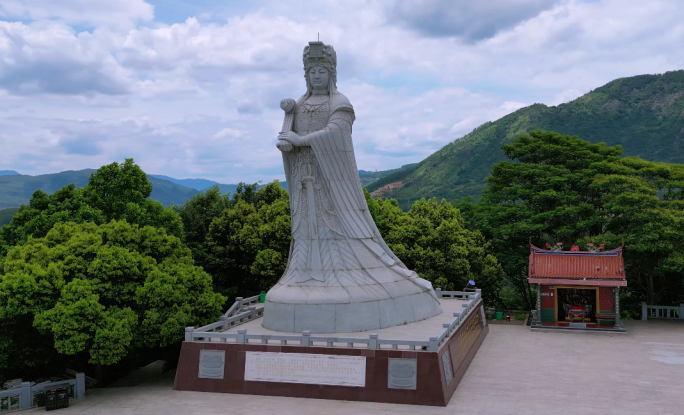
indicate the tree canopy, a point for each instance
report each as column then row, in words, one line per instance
column 114, row 192
column 432, row 239
column 560, row 188
column 243, row 241
column 97, row 274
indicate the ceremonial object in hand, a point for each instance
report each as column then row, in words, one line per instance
column 288, row 105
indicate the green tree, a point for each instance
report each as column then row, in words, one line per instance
column 99, row 292
column 196, row 214
column 246, row 244
column 645, row 211
column 560, row 188
column 243, row 241
column 432, row 240
column 112, row 187
column 114, row 192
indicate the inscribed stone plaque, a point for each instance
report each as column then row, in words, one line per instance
column 211, row 364
column 401, row 373
column 317, row 369
column 446, row 363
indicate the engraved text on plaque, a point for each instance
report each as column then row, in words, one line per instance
column 318, row 369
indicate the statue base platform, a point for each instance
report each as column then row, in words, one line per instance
column 323, row 317
column 391, row 369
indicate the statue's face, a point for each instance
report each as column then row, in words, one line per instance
column 318, row 77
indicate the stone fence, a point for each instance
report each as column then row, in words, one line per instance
column 23, row 397
column 241, row 312
column 660, row 311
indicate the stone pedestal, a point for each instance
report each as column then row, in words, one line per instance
column 338, row 317
column 416, row 377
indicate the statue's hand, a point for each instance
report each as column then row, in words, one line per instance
column 284, row 146
column 292, row 138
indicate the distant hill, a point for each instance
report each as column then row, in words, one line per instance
column 645, row 114
column 199, row 184
column 16, row 190
column 6, row 215
column 368, row 177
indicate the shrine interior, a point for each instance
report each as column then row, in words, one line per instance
column 585, row 297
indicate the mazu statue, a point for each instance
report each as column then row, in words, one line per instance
column 341, row 276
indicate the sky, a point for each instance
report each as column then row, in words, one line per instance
column 191, row 88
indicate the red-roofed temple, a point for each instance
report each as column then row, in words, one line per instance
column 577, row 289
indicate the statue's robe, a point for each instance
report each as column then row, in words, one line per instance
column 341, row 276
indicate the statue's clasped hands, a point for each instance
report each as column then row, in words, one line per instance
column 287, row 140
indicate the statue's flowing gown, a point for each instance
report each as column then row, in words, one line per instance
column 341, row 276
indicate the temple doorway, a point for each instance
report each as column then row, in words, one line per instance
column 571, row 300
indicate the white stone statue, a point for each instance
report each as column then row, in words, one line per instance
column 341, row 276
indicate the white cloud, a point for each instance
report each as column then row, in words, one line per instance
column 510, row 106
column 50, row 58
column 91, row 12
column 199, row 97
column 228, row 132
column 565, row 96
column 466, row 123
column 468, row 20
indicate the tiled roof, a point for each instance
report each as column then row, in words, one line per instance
column 579, row 265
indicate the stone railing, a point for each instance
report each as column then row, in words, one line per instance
column 241, row 304
column 373, row 341
column 23, row 397
column 242, row 311
column 659, row 311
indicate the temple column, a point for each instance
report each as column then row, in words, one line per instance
column 539, row 315
column 617, row 306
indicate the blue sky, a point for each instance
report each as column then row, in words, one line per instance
column 190, row 89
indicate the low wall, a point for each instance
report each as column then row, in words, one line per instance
column 435, row 377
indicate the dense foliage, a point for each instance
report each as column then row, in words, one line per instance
column 641, row 113
column 104, row 289
column 97, row 274
column 432, row 240
column 6, row 215
column 243, row 241
column 114, row 192
column 560, row 188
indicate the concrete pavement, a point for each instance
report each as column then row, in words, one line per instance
column 515, row 372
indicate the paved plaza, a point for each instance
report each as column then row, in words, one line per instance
column 515, row 372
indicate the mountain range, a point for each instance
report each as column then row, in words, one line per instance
column 16, row 189
column 644, row 114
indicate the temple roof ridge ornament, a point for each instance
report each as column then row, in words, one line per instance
column 543, row 251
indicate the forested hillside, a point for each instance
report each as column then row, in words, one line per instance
column 368, row 177
column 17, row 189
column 644, row 114
column 6, row 215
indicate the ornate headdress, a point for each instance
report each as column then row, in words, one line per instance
column 320, row 54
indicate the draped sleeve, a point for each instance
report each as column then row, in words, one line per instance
column 334, row 151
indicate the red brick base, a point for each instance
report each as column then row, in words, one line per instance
column 431, row 386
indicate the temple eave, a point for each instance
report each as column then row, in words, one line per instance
column 580, row 282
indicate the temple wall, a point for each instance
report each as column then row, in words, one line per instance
column 606, row 300
column 548, row 303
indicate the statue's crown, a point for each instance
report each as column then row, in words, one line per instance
column 319, row 54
